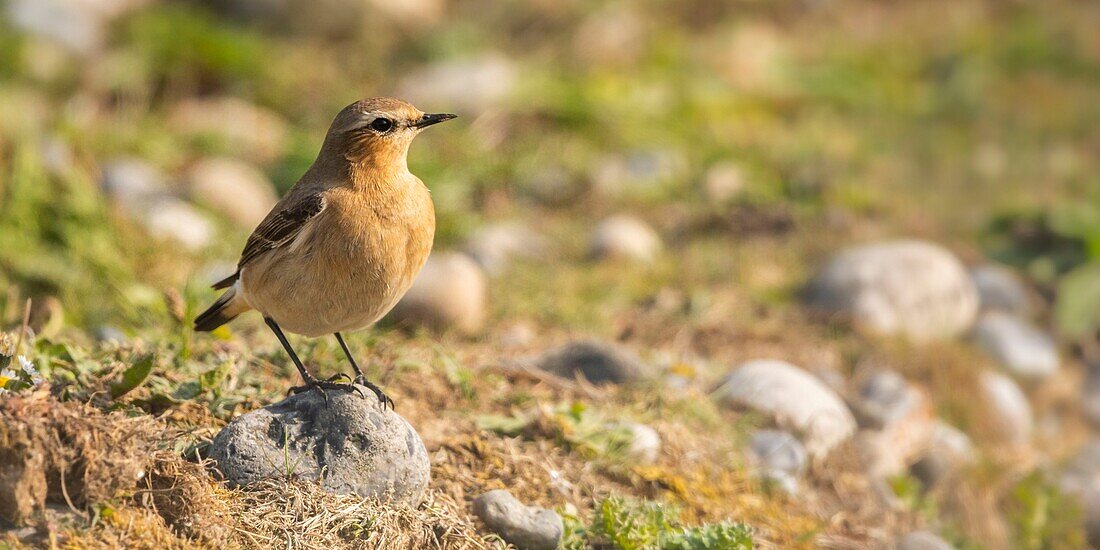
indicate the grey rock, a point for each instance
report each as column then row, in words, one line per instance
column 109, row 333
column 254, row 132
column 999, row 289
column 1008, row 406
column 1090, row 395
column 913, row 288
column 474, row 84
column 949, row 450
column 1020, row 348
column 776, row 451
column 132, row 183
column 885, row 398
column 494, row 246
column 351, row 444
column 449, row 293
column 596, row 361
column 172, row 219
column 233, row 188
column 794, row 398
column 923, row 540
column 643, row 170
column 624, row 236
column 526, row 527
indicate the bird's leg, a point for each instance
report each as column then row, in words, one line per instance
column 360, row 378
column 310, row 380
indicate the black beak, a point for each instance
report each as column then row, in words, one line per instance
column 430, row 119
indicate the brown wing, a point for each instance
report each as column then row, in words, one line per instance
column 278, row 228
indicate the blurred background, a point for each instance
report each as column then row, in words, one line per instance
column 668, row 176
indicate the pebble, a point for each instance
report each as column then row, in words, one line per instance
column 949, row 449
column 1000, row 289
column 1008, row 406
column 235, row 189
column 254, row 132
column 780, row 458
column 350, row 443
column 624, row 236
column 897, row 418
column 494, row 246
column 526, row 527
column 645, row 443
column 449, row 293
column 175, row 220
column 1020, row 348
column 913, row 288
column 794, row 398
column 474, row 84
column 597, row 362
column 923, row 540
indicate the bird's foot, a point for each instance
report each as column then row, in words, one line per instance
column 340, row 375
column 382, row 397
column 322, row 385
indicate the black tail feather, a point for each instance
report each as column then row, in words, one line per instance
column 215, row 316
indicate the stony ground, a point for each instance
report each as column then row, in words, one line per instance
column 707, row 275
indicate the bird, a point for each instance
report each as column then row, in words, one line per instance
column 344, row 244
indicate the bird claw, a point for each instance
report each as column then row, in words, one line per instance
column 322, row 385
column 338, row 376
column 382, row 397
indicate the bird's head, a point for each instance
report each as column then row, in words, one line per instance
column 378, row 130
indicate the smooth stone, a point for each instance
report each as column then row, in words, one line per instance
column 1081, row 479
column 351, row 444
column 449, row 293
column 235, row 189
column 624, row 236
column 908, row 287
column 1020, row 348
column 644, row 170
column 1000, row 289
column 949, row 450
column 898, row 421
column 923, row 540
column 254, row 132
column 597, row 362
column 526, row 527
column 645, row 443
column 169, row 218
column 494, row 246
column 472, row 85
column 885, row 398
column 132, row 183
column 794, row 398
column 778, row 451
column 1090, row 395
column 1008, row 406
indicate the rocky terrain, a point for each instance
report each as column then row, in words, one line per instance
column 706, row 275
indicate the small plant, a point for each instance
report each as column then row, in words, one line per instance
column 1043, row 516
column 629, row 525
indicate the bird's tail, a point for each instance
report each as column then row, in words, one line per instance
column 224, row 309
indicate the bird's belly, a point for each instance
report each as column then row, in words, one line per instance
column 322, row 296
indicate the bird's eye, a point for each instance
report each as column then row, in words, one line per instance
column 381, row 124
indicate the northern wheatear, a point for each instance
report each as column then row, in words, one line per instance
column 344, row 244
